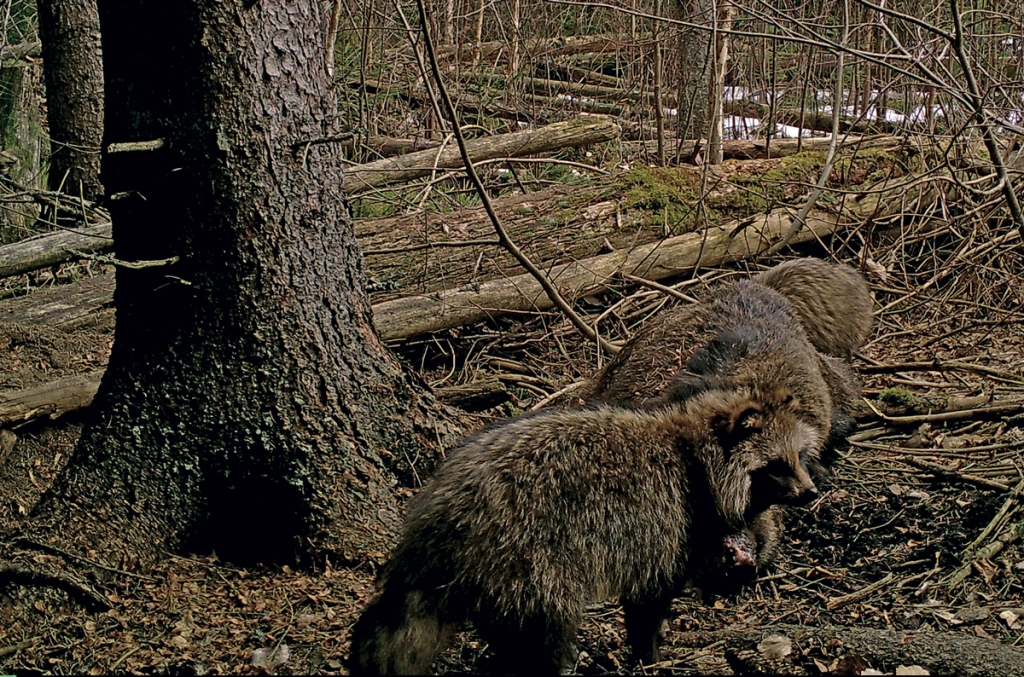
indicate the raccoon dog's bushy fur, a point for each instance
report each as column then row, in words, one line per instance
column 820, row 310
column 832, row 301
column 528, row 522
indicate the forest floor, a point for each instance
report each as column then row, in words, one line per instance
column 878, row 549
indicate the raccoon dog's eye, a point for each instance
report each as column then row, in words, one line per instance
column 777, row 469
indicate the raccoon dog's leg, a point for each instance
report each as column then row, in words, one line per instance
column 844, row 389
column 398, row 634
column 767, row 530
column 542, row 644
column 644, row 618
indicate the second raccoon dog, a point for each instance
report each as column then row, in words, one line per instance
column 832, row 301
column 527, row 523
column 672, row 344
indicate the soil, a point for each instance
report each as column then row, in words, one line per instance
column 33, row 354
column 882, row 521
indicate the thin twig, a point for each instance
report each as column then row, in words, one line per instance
column 506, row 242
column 836, row 602
column 949, row 472
column 15, row 648
column 978, row 103
column 674, row 293
column 799, row 221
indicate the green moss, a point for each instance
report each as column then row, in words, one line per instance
column 897, row 397
column 761, row 189
column 664, row 194
column 869, row 165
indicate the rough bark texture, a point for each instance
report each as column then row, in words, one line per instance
column 694, row 67
column 249, row 405
column 73, row 67
column 24, row 138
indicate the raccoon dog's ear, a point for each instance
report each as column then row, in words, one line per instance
column 738, row 418
column 686, row 385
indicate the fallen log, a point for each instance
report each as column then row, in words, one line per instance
column 944, row 653
column 581, row 131
column 758, row 149
column 51, row 399
column 608, row 94
column 429, row 252
column 811, row 119
column 538, row 47
column 414, row 315
column 387, row 146
column 89, row 302
column 464, row 101
column 559, row 103
column 27, row 255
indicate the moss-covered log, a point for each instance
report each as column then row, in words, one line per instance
column 413, row 254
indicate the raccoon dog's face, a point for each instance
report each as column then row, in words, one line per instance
column 756, row 445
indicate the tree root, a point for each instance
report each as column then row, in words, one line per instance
column 33, row 570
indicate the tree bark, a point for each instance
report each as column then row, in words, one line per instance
column 693, row 58
column 73, row 68
column 22, row 135
column 716, row 92
column 249, row 405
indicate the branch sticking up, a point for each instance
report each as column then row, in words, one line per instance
column 503, row 237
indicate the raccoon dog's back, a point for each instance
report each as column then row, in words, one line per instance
column 650, row 361
column 832, row 301
column 557, row 484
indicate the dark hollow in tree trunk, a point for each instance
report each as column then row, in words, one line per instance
column 249, row 406
column 73, row 68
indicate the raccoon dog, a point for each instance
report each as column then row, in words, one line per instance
column 527, row 523
column 675, row 343
column 832, row 301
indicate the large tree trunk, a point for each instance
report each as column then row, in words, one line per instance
column 249, row 405
column 73, row 67
column 692, row 66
